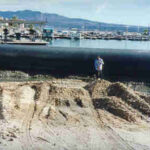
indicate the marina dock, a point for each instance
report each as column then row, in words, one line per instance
column 25, row 43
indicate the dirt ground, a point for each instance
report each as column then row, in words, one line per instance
column 71, row 114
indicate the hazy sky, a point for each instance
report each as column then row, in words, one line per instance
column 136, row 12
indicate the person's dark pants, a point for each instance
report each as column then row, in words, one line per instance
column 99, row 74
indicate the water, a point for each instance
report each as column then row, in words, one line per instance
column 113, row 44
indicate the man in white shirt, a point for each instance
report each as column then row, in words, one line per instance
column 99, row 66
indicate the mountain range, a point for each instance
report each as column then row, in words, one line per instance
column 61, row 22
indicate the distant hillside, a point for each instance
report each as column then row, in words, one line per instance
column 61, row 22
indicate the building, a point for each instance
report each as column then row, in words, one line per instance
column 48, row 33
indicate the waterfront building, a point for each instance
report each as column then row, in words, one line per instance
column 48, row 33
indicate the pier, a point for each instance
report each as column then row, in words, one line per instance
column 26, row 43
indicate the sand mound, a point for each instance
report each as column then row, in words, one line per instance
column 65, row 114
column 144, row 97
column 118, row 100
column 70, row 102
column 128, row 95
column 46, row 100
column 117, row 107
column 73, row 95
column 97, row 89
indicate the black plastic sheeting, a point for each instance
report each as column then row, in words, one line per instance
column 75, row 61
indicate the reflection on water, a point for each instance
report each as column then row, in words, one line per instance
column 101, row 44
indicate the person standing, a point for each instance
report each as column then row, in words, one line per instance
column 99, row 66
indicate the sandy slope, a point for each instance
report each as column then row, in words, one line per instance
column 72, row 115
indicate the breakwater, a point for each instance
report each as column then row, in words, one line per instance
column 75, row 61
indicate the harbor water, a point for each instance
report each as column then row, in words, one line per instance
column 113, row 44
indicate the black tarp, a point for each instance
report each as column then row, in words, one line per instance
column 75, row 61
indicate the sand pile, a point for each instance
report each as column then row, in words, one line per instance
column 46, row 100
column 129, row 96
column 97, row 89
column 69, row 96
column 143, row 96
column 65, row 103
column 117, row 107
column 65, row 114
column 118, row 100
column 70, row 103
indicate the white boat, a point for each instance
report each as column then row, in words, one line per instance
column 75, row 34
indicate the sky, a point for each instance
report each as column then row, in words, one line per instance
column 131, row 12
